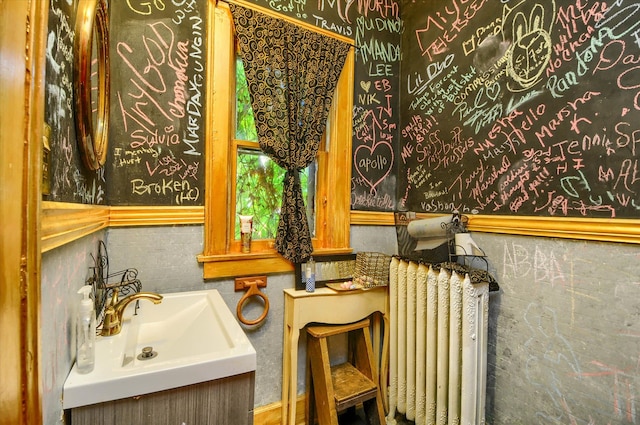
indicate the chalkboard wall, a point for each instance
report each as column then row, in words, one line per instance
column 377, row 35
column 158, row 82
column 158, row 62
column 157, row 150
column 520, row 107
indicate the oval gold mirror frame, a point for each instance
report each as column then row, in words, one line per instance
column 92, row 139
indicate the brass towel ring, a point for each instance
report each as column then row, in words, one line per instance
column 252, row 291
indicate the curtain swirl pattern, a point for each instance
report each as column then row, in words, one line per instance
column 292, row 74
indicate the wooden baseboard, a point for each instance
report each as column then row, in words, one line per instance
column 271, row 413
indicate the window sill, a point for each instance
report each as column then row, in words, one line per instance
column 262, row 262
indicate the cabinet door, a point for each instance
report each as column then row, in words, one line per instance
column 223, row 401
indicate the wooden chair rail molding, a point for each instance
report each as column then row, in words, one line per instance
column 595, row 229
column 65, row 222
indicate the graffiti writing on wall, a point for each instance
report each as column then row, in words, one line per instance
column 527, row 108
column 158, row 115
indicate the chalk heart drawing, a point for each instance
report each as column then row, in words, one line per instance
column 366, row 85
column 493, row 91
column 373, row 163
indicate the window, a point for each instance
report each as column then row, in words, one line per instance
column 231, row 147
column 258, row 182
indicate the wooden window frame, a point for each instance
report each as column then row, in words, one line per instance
column 221, row 255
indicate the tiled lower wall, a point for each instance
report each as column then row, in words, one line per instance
column 64, row 271
column 564, row 344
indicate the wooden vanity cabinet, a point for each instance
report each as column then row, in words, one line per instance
column 223, row 401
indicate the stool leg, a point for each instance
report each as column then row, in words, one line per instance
column 310, row 399
column 321, row 380
column 363, row 361
column 361, row 352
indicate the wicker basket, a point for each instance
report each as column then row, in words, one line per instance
column 372, row 269
column 346, row 268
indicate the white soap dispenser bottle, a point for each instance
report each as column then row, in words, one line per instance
column 86, row 332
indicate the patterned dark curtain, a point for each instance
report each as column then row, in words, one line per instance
column 292, row 74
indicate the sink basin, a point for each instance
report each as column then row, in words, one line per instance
column 195, row 338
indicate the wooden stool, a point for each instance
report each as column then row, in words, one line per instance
column 336, row 388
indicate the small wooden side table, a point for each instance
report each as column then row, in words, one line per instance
column 333, row 307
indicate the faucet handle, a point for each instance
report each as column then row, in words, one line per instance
column 114, row 298
column 111, row 322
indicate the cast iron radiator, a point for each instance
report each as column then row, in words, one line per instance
column 438, row 344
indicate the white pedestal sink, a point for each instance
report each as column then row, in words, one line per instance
column 194, row 334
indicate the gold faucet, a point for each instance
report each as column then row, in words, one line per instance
column 112, row 323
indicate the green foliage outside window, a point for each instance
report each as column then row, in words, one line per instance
column 245, row 125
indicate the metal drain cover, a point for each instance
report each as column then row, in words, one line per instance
column 147, row 354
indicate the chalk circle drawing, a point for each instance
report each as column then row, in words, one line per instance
column 374, row 163
column 531, row 45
